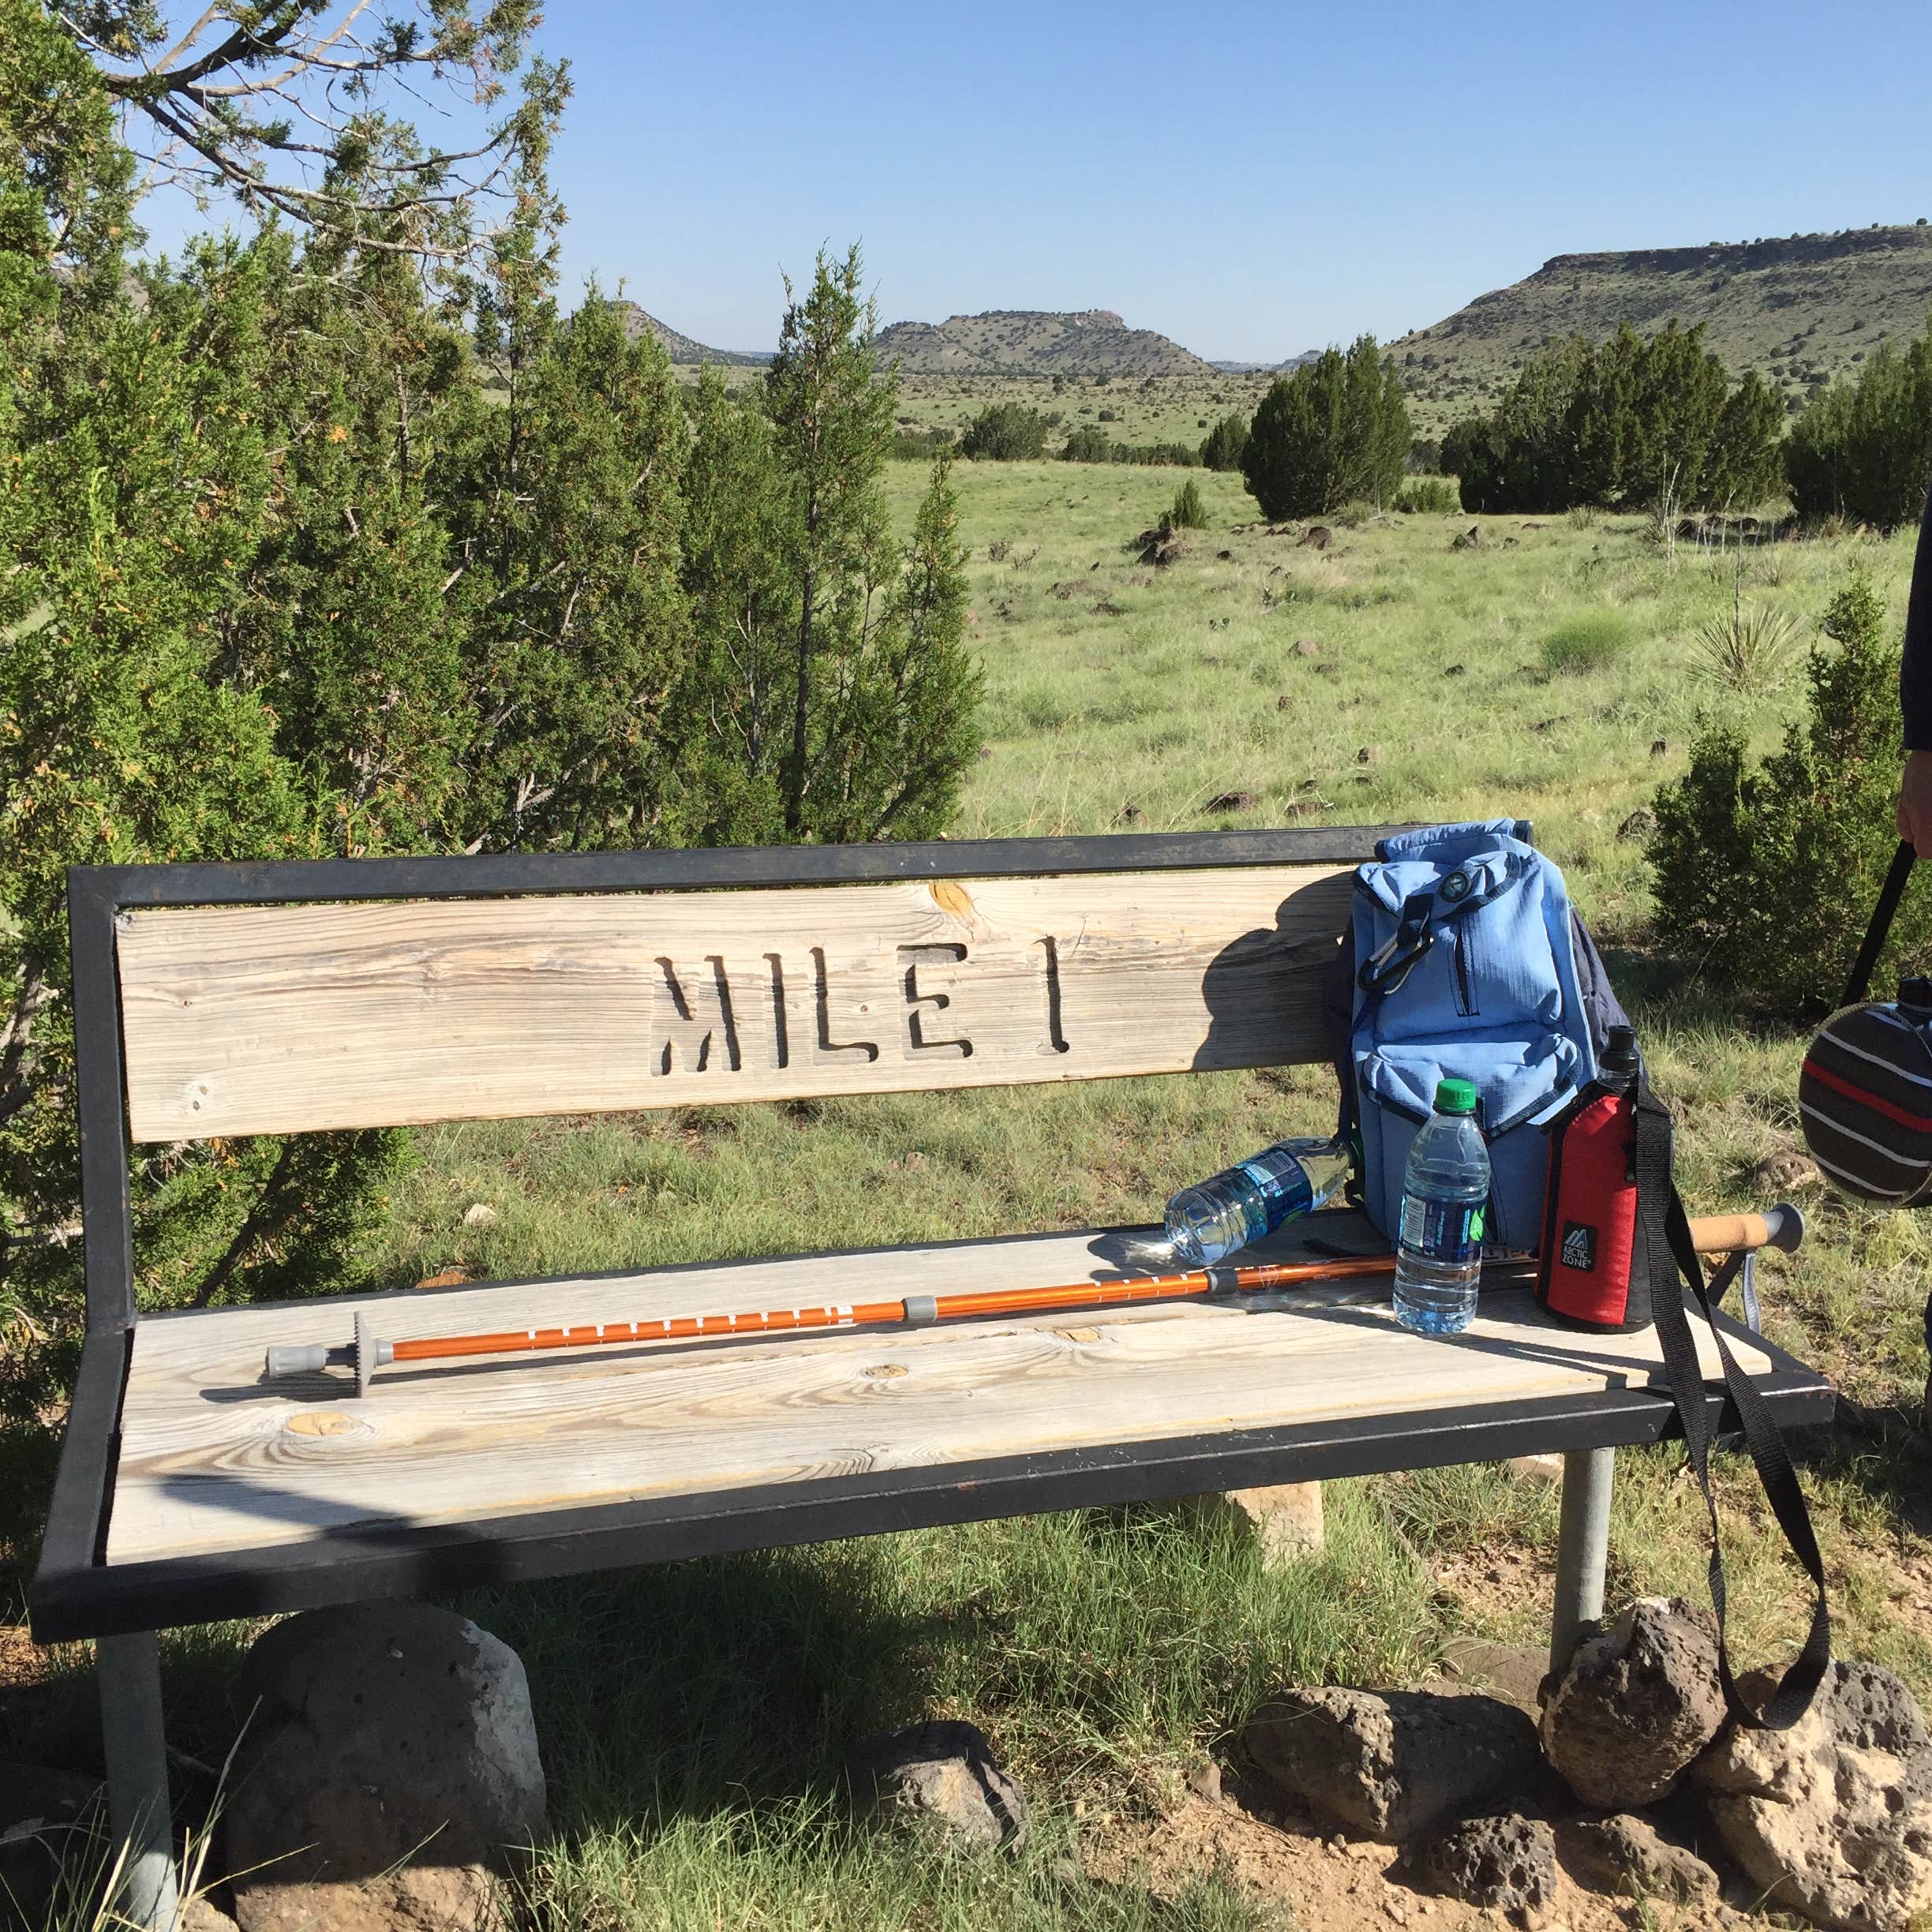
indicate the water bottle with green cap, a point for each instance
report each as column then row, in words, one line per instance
column 1445, row 1194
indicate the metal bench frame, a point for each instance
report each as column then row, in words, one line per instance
column 76, row 1594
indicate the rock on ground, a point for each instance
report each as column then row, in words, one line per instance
column 1624, row 1853
column 1638, row 1702
column 1786, row 1171
column 1390, row 1764
column 944, row 1771
column 1515, row 1671
column 1284, row 1521
column 1507, row 1863
column 1834, row 1816
column 390, row 1768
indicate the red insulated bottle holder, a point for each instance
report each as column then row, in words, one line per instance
column 1587, row 1270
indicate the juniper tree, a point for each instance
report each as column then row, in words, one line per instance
column 1626, row 421
column 1334, row 430
column 278, row 102
column 1221, row 448
column 743, row 617
column 832, row 432
column 565, row 513
column 911, row 722
column 1862, row 446
column 890, row 689
column 1764, row 874
column 309, row 545
column 1005, row 432
column 135, row 474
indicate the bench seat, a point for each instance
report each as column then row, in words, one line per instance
column 231, row 1493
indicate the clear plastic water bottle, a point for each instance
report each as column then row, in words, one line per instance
column 1445, row 1193
column 1207, row 1223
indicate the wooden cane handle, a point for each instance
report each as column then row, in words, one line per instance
column 1782, row 1226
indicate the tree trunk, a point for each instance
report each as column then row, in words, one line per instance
column 795, row 791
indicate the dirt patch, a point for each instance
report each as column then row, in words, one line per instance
column 1331, row 1882
column 1500, row 1586
column 22, row 1661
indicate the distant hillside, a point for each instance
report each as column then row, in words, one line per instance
column 1267, row 368
column 1028, row 341
column 681, row 348
column 1797, row 310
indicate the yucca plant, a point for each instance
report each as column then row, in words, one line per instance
column 1747, row 649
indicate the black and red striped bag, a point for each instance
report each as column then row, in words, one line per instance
column 1865, row 1092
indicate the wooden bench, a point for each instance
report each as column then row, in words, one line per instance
column 233, row 1000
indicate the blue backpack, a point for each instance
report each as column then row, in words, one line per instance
column 1468, row 960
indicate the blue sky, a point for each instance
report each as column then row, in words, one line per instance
column 1251, row 180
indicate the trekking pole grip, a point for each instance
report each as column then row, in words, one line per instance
column 1781, row 1226
column 1880, row 929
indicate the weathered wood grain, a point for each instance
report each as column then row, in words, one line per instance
column 212, row 1459
column 284, row 1019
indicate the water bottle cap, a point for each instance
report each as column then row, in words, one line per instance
column 1914, row 997
column 1455, row 1096
column 1620, row 1054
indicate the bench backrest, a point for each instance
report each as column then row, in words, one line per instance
column 291, row 997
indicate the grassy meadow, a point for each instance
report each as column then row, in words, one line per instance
column 1131, row 409
column 693, row 1718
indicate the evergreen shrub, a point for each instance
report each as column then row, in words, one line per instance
column 1625, row 422
column 310, row 549
column 1221, row 448
column 1429, row 496
column 1862, row 448
column 1765, row 876
column 1334, row 430
column 1189, row 512
column 1005, row 432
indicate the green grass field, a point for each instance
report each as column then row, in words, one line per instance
column 1139, row 409
column 693, row 1718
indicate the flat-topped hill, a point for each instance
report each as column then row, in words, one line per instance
column 1798, row 309
column 1009, row 341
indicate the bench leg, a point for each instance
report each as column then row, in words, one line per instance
column 1582, row 1546
column 138, row 1809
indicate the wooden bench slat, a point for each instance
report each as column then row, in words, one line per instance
column 286, row 1019
column 212, row 1460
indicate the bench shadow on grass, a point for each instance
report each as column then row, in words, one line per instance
column 692, row 1690
column 714, row 1685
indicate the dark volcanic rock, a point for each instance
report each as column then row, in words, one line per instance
column 1638, row 1702
column 1390, row 1764
column 1625, row 1853
column 1508, row 1864
column 392, row 1768
column 944, row 1772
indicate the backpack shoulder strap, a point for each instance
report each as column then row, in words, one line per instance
column 1890, row 895
column 1674, row 1269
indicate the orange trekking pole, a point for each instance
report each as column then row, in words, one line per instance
column 367, row 1353
column 1780, row 1227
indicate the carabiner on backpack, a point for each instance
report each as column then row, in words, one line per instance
column 1383, row 972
